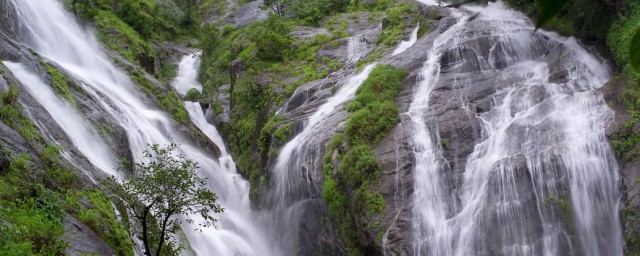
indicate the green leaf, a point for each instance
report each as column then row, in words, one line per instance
column 548, row 10
column 634, row 52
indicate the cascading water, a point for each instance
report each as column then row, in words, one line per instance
column 188, row 74
column 542, row 180
column 241, row 210
column 51, row 31
column 404, row 45
column 83, row 135
column 292, row 174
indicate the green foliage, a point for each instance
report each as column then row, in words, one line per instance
column 587, row 19
column 167, row 186
column 621, row 36
column 624, row 142
column 283, row 132
column 383, row 84
column 11, row 114
column 168, row 70
column 60, row 84
column 120, row 37
column 310, row 12
column 369, row 125
column 548, row 10
column 271, row 37
column 634, row 51
column 395, row 23
column 374, row 106
column 350, row 189
column 358, row 166
column 93, row 208
column 32, row 226
column 193, row 95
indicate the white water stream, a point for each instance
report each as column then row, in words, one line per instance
column 542, row 180
column 404, row 45
column 51, row 31
column 292, row 182
column 81, row 133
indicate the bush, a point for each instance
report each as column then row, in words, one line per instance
column 383, row 84
column 271, row 37
column 369, row 125
column 193, row 95
column 358, row 166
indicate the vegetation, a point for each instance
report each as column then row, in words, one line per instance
column 60, row 84
column 166, row 186
column 32, row 226
column 394, row 24
column 96, row 210
column 193, row 95
column 271, row 37
column 37, row 193
column 350, row 189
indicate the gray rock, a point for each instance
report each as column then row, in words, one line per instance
column 248, row 13
column 83, row 240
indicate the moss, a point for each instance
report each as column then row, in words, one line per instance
column 93, row 208
column 445, row 143
column 566, row 213
column 12, row 115
column 105, row 131
column 60, row 84
column 120, row 37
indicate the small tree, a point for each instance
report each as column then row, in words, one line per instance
column 164, row 193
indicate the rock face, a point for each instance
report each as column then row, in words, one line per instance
column 86, row 241
column 474, row 72
column 629, row 169
column 82, row 240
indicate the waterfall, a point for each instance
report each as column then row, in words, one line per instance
column 404, row 45
column 81, row 133
column 297, row 164
column 47, row 28
column 542, row 179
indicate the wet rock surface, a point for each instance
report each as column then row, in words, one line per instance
column 83, row 240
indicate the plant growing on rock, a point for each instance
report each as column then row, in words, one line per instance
column 165, row 192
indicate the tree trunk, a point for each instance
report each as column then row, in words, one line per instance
column 115, row 6
column 145, row 239
column 162, row 234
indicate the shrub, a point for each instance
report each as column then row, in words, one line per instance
column 358, row 166
column 271, row 37
column 193, row 95
column 383, row 84
column 369, row 125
